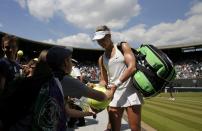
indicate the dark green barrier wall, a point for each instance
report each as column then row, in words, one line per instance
column 188, row 82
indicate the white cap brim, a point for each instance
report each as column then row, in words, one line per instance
column 100, row 34
column 75, row 61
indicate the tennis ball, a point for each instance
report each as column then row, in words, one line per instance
column 98, row 105
column 20, row 53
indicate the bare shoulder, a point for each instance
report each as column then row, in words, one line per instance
column 125, row 46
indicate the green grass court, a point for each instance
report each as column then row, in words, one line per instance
column 183, row 114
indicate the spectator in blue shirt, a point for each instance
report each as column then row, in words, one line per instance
column 9, row 69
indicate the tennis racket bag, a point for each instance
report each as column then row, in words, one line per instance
column 147, row 82
column 157, row 61
column 154, row 70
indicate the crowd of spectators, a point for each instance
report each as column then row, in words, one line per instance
column 189, row 69
column 89, row 71
column 186, row 69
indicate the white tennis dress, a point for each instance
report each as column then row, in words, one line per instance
column 126, row 94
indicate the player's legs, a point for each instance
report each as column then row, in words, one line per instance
column 134, row 117
column 115, row 116
column 108, row 124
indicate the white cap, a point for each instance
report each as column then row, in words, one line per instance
column 100, row 34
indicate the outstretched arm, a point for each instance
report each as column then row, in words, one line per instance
column 74, row 88
column 77, row 113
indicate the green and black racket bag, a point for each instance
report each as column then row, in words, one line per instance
column 154, row 70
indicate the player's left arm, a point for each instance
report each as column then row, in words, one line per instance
column 130, row 61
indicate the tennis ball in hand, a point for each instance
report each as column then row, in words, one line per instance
column 20, row 53
column 98, row 105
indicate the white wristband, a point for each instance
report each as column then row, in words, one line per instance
column 117, row 83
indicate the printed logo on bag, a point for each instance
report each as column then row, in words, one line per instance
column 49, row 115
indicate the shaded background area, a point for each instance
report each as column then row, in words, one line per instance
column 178, row 54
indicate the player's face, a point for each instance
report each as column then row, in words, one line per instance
column 104, row 42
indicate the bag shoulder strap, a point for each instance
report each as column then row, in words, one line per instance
column 119, row 46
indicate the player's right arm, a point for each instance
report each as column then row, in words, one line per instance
column 104, row 78
column 103, row 73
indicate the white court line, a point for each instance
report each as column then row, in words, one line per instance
column 182, row 99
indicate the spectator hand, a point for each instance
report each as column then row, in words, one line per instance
column 90, row 112
column 90, row 85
